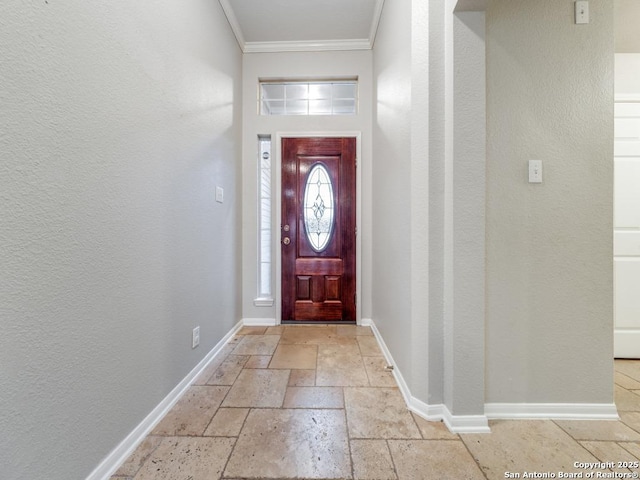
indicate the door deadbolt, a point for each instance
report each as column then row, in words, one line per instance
column 286, row 228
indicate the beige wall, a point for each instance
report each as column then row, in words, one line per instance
column 117, row 121
column 549, row 246
column 627, row 30
column 392, row 181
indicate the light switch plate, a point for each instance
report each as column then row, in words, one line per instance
column 582, row 12
column 535, row 171
column 219, row 194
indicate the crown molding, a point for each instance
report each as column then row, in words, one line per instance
column 306, row 46
column 375, row 22
column 233, row 22
column 303, row 45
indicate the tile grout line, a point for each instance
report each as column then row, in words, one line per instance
column 475, row 460
column 393, row 462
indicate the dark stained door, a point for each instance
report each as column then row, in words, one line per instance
column 318, row 231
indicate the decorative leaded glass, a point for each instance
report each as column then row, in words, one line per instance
column 318, row 207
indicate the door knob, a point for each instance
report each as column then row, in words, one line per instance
column 286, row 240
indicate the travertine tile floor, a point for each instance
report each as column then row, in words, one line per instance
column 317, row 402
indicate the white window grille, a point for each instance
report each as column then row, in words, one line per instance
column 309, row 98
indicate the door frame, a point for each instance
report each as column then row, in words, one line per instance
column 277, row 205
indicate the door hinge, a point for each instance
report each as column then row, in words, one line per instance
column 356, row 231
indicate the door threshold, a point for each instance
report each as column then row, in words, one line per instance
column 318, row 322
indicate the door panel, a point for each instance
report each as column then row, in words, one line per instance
column 318, row 229
column 627, row 230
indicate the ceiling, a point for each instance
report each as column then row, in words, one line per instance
column 303, row 25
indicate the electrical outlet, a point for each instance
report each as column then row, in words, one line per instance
column 195, row 337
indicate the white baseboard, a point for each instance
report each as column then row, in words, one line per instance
column 365, row 322
column 434, row 413
column 626, row 343
column 466, row 423
column 439, row 412
column 455, row 423
column 259, row 322
column 124, row 449
column 552, row 411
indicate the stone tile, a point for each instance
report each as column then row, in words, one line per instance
column 626, row 382
column 608, row 452
column 277, row 330
column 247, row 330
column 372, row 460
column 302, row 378
column 193, row 412
column 347, row 340
column 228, row 371
column 301, row 444
column 602, row 430
column 429, row 459
column 310, row 335
column 353, row 330
column 340, row 366
column 138, row 457
column 258, row 361
column 631, row 419
column 626, row 401
column 302, row 357
column 227, row 422
column 208, row 372
column 633, row 448
column 377, row 372
column 369, row 346
column 314, row 397
column 378, row 413
column 525, row 445
column 257, row 345
column 631, row 368
column 258, row 388
column 431, row 430
column 187, row 458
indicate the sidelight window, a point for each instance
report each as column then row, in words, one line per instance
column 264, row 221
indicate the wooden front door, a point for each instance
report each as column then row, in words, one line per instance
column 318, row 231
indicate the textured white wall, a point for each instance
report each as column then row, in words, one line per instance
column 299, row 65
column 408, row 172
column 627, row 33
column 117, row 121
column 392, row 247
column 549, row 246
column 465, row 185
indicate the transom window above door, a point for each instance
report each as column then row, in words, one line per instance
column 308, row 98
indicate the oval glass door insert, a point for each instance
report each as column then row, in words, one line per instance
column 318, row 207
